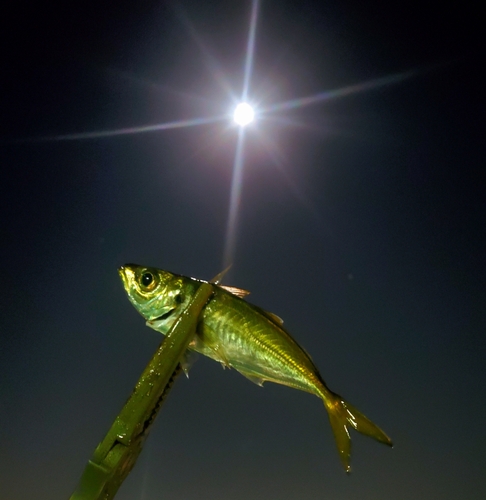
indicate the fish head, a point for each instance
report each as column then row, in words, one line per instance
column 156, row 294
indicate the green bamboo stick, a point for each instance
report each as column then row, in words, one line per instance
column 116, row 455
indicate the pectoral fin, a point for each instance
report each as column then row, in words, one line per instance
column 214, row 351
column 221, row 356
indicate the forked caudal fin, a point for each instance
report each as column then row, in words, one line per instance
column 342, row 415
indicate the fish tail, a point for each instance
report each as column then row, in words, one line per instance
column 342, row 415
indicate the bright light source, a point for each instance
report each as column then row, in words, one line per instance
column 243, row 114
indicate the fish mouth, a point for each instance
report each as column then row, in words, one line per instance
column 163, row 316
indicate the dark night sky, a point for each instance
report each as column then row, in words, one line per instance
column 368, row 240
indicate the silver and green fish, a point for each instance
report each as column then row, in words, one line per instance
column 242, row 336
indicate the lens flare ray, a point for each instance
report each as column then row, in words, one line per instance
column 271, row 112
column 131, row 130
column 159, row 88
column 235, row 196
column 341, row 92
column 279, row 161
column 236, row 182
column 250, row 50
column 211, row 62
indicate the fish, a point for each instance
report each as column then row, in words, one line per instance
column 240, row 335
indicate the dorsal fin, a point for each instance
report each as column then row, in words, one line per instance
column 239, row 292
column 219, row 277
column 273, row 317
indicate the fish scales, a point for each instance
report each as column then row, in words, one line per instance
column 254, row 343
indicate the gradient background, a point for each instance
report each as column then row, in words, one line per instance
column 368, row 239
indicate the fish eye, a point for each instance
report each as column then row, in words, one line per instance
column 179, row 298
column 147, row 279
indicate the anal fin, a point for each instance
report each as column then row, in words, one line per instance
column 256, row 380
